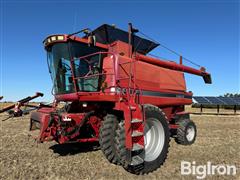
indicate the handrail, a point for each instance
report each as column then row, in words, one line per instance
column 115, row 68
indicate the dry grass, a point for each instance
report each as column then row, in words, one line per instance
column 21, row 158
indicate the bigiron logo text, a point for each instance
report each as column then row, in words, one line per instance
column 202, row 171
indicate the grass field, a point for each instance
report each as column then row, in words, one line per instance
column 22, row 158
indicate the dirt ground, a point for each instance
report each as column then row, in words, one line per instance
column 21, row 157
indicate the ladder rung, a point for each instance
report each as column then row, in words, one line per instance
column 136, row 134
column 136, row 120
column 133, row 108
column 136, row 160
column 137, row 147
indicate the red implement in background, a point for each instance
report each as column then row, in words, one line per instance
column 14, row 110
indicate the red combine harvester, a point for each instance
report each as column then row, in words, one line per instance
column 115, row 94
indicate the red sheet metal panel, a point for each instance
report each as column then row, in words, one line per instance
column 150, row 77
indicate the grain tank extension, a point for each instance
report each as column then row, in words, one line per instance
column 117, row 95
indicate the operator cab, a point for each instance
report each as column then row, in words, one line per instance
column 67, row 58
column 76, row 64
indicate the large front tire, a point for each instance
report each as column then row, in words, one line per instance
column 156, row 137
column 107, row 138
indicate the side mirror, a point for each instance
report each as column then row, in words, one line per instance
column 91, row 40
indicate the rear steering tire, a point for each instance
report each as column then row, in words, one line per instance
column 186, row 132
column 156, row 138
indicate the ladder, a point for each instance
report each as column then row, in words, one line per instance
column 134, row 118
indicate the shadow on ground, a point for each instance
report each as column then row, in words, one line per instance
column 74, row 148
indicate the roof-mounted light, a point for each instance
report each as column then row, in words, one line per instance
column 52, row 39
column 61, row 38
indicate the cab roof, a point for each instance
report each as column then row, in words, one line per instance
column 107, row 34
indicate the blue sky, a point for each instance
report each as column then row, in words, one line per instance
column 206, row 32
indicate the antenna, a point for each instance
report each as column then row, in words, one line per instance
column 75, row 21
column 131, row 32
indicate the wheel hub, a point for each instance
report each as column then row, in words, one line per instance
column 154, row 137
column 190, row 133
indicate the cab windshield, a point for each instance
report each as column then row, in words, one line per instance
column 84, row 69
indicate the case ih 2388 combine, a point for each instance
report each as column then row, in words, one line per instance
column 115, row 94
